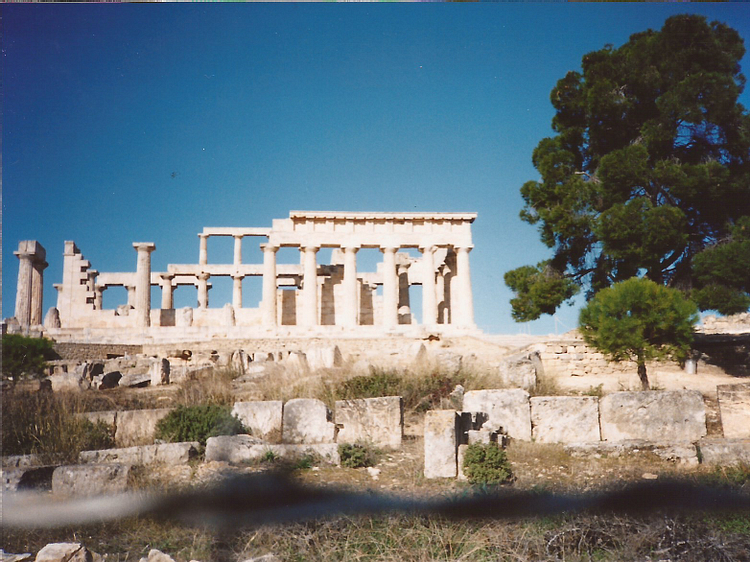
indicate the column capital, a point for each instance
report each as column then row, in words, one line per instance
column 309, row 248
column 203, row 276
column 268, row 247
column 202, row 235
column 464, row 248
column 167, row 276
column 144, row 246
column 354, row 248
column 427, row 248
column 390, row 249
column 237, row 276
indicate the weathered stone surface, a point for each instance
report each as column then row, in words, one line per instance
column 9, row 557
column 448, row 362
column 734, row 406
column 64, row 552
column 507, row 408
column 659, row 416
column 297, row 360
column 69, row 382
column 440, row 444
column 184, row 317
column 246, row 448
column 379, row 421
column 160, row 370
column 565, row 419
column 239, row 361
column 106, row 416
column 163, row 453
column 725, row 452
column 324, row 357
column 137, row 427
column 155, row 555
column 683, row 453
column 519, row 371
column 16, row 461
column 108, row 380
column 134, row 380
column 262, row 418
column 307, row 420
column 52, row 319
column 93, row 479
column 27, row 478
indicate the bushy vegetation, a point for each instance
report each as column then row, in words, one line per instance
column 486, row 464
column 24, row 356
column 47, row 424
column 356, row 455
column 198, row 423
column 421, row 391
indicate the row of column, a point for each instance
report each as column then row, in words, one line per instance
column 462, row 301
column 461, row 296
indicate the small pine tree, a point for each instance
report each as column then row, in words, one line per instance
column 639, row 320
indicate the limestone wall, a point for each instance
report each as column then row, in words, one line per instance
column 734, row 324
column 94, row 351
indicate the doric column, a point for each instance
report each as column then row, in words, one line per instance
column 237, row 291
column 143, row 283
column 203, row 290
column 442, row 317
column 131, row 295
column 37, row 291
column 203, row 251
column 24, row 288
column 310, row 286
column 429, row 295
column 167, row 291
column 268, row 312
column 237, row 249
column 99, row 296
column 465, row 314
column 350, row 317
column 390, row 287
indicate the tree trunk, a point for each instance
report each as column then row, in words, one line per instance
column 642, row 374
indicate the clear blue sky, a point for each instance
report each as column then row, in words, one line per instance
column 146, row 122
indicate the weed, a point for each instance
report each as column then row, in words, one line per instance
column 198, row 423
column 487, row 464
column 213, row 387
column 356, row 455
column 597, row 391
column 269, row 457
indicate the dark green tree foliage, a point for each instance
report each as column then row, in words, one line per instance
column 650, row 166
column 25, row 356
column 723, row 272
column 639, row 320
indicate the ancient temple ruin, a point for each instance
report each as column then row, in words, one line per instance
column 297, row 299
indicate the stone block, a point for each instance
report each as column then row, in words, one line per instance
column 163, row 453
column 135, row 380
column 297, row 360
column 659, row 416
column 137, row 427
column 440, row 444
column 27, row 478
column 106, row 416
column 238, row 449
column 15, row 461
column 159, row 372
column 307, row 420
column 725, row 452
column 507, row 408
column 565, row 419
column 262, row 418
column 734, row 407
column 683, row 453
column 91, row 479
column 69, row 382
column 519, row 371
column 64, row 552
column 448, row 362
column 324, row 357
column 379, row 421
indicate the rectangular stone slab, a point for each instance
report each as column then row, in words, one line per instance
column 565, row 419
column 508, row 408
column 734, row 406
column 379, row 421
column 653, row 415
column 440, row 444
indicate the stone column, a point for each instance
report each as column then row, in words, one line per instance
column 310, row 286
column 237, row 249
column 429, row 295
column 203, row 290
column 465, row 314
column 350, row 316
column 131, row 295
column 24, row 288
column 237, row 290
column 167, row 291
column 268, row 312
column 404, row 301
column 390, row 287
column 143, row 283
column 203, row 251
column 99, row 297
column 442, row 317
column 37, row 291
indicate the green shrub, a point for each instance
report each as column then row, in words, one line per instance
column 486, row 464
column 24, row 356
column 378, row 383
column 46, row 424
column 198, row 423
column 356, row 455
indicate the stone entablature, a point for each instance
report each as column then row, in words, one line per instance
column 305, row 296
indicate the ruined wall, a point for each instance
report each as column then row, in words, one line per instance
column 94, row 351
